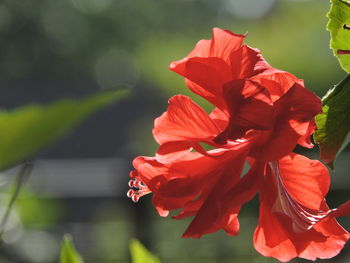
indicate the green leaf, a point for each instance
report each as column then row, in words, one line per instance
column 68, row 253
column 339, row 27
column 333, row 125
column 140, row 254
column 26, row 130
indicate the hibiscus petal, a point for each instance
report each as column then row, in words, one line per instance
column 276, row 81
column 255, row 111
column 171, row 185
column 276, row 236
column 271, row 239
column 171, row 151
column 247, row 187
column 249, row 107
column 324, row 240
column 182, row 181
column 202, row 49
column 336, row 238
column 224, row 42
column 305, row 140
column 299, row 104
column 247, row 62
column 214, row 214
column 342, row 210
column 184, row 121
column 307, row 181
column 293, row 113
column 241, row 193
column 220, row 118
column 192, row 207
column 205, row 77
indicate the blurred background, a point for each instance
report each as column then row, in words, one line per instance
column 70, row 48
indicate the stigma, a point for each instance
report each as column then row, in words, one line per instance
column 137, row 190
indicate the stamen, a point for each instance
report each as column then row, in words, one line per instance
column 130, row 193
column 138, row 190
column 135, row 198
column 303, row 218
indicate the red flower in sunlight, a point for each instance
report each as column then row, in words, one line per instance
column 242, row 86
column 260, row 115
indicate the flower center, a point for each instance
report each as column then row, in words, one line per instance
column 302, row 218
column 137, row 190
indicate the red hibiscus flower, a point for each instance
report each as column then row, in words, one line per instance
column 242, row 85
column 261, row 114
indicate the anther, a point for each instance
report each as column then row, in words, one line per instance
column 135, row 198
column 138, row 184
column 131, row 183
column 130, row 193
column 138, row 190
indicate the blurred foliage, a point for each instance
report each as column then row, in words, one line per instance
column 140, row 254
column 30, row 207
column 339, row 26
column 68, row 253
column 27, row 129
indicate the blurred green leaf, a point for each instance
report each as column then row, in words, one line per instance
column 68, row 253
column 140, row 254
column 339, row 27
column 30, row 207
column 333, row 125
column 25, row 130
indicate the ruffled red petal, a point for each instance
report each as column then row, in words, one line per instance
column 293, row 113
column 307, row 181
column 184, row 180
column 274, row 237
